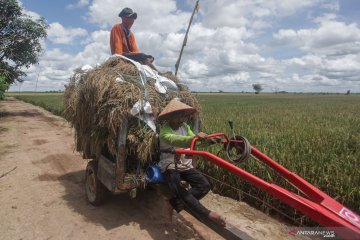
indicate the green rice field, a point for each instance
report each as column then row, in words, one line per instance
column 316, row 136
column 53, row 102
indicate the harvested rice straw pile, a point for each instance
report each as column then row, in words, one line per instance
column 98, row 101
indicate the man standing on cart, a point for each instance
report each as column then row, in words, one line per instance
column 175, row 133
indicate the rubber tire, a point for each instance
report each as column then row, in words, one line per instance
column 96, row 192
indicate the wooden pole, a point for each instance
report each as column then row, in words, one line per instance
column 37, row 79
column 177, row 64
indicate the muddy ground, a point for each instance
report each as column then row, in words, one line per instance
column 42, row 192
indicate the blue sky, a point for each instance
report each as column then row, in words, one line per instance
column 302, row 46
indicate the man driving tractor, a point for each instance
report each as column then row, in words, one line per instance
column 176, row 133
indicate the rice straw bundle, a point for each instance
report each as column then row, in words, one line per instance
column 98, row 101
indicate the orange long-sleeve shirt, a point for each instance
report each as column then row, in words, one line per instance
column 118, row 43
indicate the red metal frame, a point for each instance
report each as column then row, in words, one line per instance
column 318, row 206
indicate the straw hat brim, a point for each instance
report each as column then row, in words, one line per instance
column 175, row 106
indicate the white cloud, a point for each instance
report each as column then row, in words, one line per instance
column 61, row 35
column 55, row 66
column 51, row 73
column 195, row 68
column 81, row 3
column 160, row 16
column 336, row 72
column 330, row 38
column 332, row 53
column 96, row 51
column 248, row 13
column 222, row 48
column 333, row 5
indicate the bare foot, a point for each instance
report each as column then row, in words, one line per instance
column 217, row 218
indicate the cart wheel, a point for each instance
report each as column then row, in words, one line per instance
column 95, row 191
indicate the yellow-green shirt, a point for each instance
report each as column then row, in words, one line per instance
column 180, row 138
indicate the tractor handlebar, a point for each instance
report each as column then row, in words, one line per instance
column 217, row 137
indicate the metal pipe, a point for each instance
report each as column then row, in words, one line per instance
column 320, row 207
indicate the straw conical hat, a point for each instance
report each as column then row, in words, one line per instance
column 175, row 106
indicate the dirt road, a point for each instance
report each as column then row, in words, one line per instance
column 42, row 192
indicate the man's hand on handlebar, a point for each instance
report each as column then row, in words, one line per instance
column 205, row 138
column 202, row 136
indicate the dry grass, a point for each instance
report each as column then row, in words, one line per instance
column 97, row 104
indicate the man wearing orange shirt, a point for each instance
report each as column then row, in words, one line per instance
column 122, row 40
